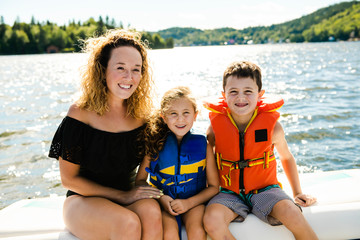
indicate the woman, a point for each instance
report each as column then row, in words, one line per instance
column 97, row 144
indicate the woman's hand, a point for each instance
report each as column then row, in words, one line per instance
column 139, row 192
column 304, row 200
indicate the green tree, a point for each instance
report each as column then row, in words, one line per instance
column 157, row 43
column 169, row 43
column 100, row 27
column 18, row 41
column 32, row 21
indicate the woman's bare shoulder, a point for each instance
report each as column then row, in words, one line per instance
column 79, row 114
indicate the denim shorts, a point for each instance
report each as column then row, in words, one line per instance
column 262, row 204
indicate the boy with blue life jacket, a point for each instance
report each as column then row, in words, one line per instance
column 179, row 163
column 244, row 131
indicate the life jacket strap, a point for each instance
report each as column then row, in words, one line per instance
column 265, row 188
column 174, row 190
column 155, row 179
column 176, row 184
column 265, row 160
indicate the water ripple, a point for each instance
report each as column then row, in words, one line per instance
column 10, row 133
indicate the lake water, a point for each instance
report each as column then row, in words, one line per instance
column 319, row 82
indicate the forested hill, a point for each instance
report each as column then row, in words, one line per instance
column 36, row 37
column 337, row 22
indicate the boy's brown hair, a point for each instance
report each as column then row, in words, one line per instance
column 243, row 69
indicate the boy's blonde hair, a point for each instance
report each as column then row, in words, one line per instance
column 93, row 85
column 243, row 69
column 157, row 130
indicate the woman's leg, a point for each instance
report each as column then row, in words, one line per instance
column 99, row 218
column 290, row 215
column 193, row 221
column 149, row 212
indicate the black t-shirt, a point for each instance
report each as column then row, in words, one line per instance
column 107, row 158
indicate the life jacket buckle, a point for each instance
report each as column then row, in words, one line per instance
column 179, row 178
column 241, row 164
column 180, row 189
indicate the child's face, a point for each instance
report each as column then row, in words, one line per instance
column 241, row 95
column 180, row 117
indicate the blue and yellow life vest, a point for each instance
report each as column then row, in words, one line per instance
column 180, row 170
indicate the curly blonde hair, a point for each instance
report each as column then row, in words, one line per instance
column 157, row 130
column 93, row 85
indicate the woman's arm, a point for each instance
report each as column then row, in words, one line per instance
column 71, row 180
column 183, row 205
column 142, row 175
column 289, row 164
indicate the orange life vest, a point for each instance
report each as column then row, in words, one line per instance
column 245, row 161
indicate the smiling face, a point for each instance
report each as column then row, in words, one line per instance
column 123, row 72
column 241, row 95
column 180, row 117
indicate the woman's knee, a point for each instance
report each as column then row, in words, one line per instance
column 153, row 212
column 123, row 226
column 152, row 226
column 149, row 212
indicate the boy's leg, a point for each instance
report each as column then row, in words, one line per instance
column 170, row 226
column 193, row 221
column 220, row 212
column 216, row 221
column 275, row 207
column 293, row 219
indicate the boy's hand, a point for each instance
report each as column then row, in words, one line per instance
column 304, row 200
column 165, row 201
column 180, row 206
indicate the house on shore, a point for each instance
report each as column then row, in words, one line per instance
column 52, row 49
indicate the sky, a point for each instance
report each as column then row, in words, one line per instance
column 155, row 15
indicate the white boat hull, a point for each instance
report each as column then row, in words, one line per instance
column 335, row 216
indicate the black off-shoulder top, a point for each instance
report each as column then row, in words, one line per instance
column 107, row 158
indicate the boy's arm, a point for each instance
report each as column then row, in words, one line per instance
column 289, row 164
column 210, row 136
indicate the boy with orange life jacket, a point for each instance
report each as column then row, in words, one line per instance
column 244, row 131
